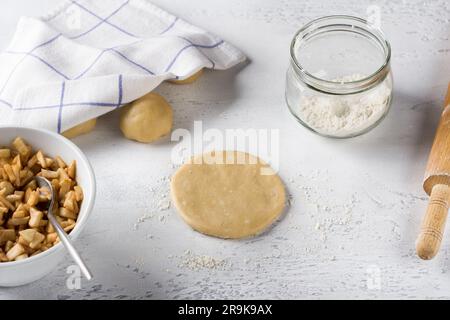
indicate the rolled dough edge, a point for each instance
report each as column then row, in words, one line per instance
column 204, row 229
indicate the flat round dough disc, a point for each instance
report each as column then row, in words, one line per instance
column 226, row 199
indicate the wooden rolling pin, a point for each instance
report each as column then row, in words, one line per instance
column 437, row 186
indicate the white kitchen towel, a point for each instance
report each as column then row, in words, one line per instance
column 90, row 57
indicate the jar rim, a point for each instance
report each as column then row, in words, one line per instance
column 344, row 87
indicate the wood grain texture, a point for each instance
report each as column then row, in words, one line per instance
column 433, row 224
column 437, row 185
column 355, row 205
column 438, row 167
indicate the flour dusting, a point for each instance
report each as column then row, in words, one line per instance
column 345, row 115
column 196, row 262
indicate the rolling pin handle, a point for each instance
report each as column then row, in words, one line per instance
column 433, row 224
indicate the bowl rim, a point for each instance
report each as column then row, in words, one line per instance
column 90, row 203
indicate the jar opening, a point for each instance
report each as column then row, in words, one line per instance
column 340, row 55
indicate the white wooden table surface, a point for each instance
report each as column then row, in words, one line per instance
column 356, row 204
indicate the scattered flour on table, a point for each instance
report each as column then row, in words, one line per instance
column 142, row 219
column 347, row 114
column 327, row 213
column 160, row 202
column 196, row 262
column 332, row 212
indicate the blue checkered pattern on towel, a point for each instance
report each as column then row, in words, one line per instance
column 91, row 57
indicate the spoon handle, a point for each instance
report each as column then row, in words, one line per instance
column 72, row 251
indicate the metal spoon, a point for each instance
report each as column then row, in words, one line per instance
column 42, row 182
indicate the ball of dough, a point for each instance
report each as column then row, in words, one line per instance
column 228, row 200
column 147, row 119
column 80, row 129
column 189, row 80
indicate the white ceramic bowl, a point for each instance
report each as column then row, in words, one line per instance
column 21, row 272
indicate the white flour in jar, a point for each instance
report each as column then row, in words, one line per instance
column 342, row 116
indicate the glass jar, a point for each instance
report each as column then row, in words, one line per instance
column 339, row 82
